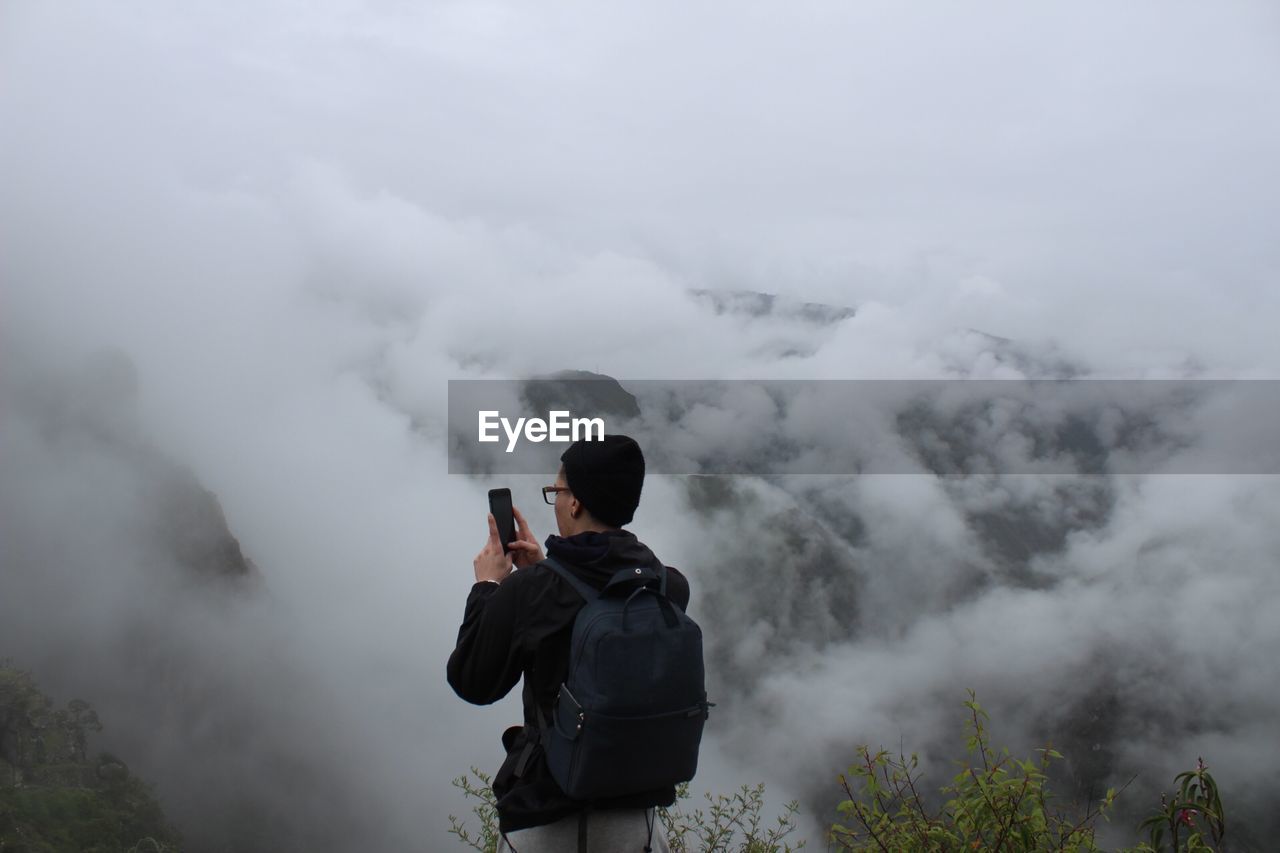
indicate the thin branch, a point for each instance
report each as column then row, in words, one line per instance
column 1013, row 812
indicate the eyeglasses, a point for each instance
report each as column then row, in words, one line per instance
column 549, row 493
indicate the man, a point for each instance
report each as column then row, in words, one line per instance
column 518, row 623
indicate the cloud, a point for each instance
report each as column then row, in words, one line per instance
column 297, row 221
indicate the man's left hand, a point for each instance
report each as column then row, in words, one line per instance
column 525, row 549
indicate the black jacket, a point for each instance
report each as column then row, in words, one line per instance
column 522, row 627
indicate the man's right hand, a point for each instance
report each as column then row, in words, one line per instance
column 491, row 564
column 525, row 550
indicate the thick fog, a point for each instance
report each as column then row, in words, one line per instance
column 243, row 247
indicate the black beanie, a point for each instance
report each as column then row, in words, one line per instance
column 606, row 476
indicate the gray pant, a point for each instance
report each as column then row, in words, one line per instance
column 609, row 831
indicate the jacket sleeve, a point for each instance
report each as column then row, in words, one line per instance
column 485, row 663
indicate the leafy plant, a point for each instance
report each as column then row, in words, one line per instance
column 1196, row 809
column 485, row 810
column 732, row 823
column 996, row 802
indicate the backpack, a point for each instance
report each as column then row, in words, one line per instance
column 629, row 717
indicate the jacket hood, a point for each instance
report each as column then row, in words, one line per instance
column 602, row 554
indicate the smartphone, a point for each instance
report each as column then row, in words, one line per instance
column 500, row 506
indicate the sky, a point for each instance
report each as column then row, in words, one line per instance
column 296, row 221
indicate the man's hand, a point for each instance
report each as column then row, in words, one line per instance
column 491, row 564
column 524, row 548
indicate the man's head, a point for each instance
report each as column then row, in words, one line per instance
column 603, row 479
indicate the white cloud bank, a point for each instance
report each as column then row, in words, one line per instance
column 299, row 219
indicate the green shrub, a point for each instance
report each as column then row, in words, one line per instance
column 485, row 810
column 731, row 824
column 1195, row 811
column 995, row 803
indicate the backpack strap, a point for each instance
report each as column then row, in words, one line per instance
column 587, row 592
column 531, row 743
